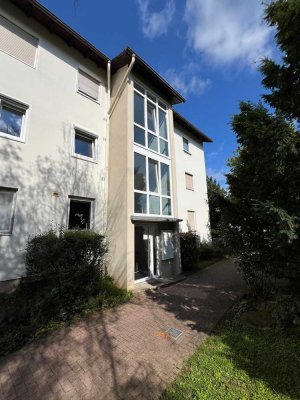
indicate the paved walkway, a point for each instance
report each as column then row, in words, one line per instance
column 123, row 353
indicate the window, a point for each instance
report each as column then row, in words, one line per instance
column 7, row 210
column 189, row 184
column 17, row 43
column 84, row 145
column 88, row 85
column 12, row 118
column 150, row 121
column 191, row 220
column 152, row 186
column 186, row 145
column 80, row 213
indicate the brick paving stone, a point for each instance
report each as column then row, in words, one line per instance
column 123, row 353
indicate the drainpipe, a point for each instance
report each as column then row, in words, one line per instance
column 121, row 87
column 107, row 142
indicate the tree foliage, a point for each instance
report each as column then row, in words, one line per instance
column 216, row 195
column 263, row 210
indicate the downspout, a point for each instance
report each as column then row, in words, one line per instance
column 107, row 144
column 121, row 87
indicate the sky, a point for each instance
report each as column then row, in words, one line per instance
column 209, row 50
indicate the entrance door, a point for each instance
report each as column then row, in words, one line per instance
column 145, row 251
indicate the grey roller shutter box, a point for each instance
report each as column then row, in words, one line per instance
column 88, row 85
column 17, row 43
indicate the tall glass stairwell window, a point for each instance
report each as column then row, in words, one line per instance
column 150, row 121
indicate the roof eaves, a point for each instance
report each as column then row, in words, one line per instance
column 34, row 9
column 190, row 127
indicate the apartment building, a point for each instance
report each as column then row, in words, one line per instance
column 93, row 143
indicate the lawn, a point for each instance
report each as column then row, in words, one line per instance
column 240, row 362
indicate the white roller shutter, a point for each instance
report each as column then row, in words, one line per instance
column 88, row 85
column 17, row 43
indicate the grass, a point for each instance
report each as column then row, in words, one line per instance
column 241, row 362
column 19, row 326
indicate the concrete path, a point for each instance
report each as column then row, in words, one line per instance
column 123, row 353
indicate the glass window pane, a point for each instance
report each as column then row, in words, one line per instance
column 165, row 179
column 139, row 135
column 152, row 142
column 6, row 201
column 10, row 121
column 162, row 105
column 84, row 146
column 166, row 206
column 185, row 144
column 139, row 87
column 139, row 172
column 162, row 124
column 140, row 203
column 151, row 116
column 154, row 205
column 164, row 148
column 153, row 175
column 149, row 95
column 139, row 117
column 79, row 214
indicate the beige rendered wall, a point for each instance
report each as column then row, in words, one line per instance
column 192, row 200
column 44, row 164
column 120, row 194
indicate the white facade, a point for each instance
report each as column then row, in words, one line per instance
column 191, row 199
column 43, row 168
column 44, row 83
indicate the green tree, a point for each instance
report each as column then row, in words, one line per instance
column 283, row 79
column 263, row 210
column 216, row 195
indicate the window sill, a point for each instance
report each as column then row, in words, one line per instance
column 6, row 234
column 91, row 160
column 191, row 190
column 11, row 137
column 88, row 97
column 187, row 152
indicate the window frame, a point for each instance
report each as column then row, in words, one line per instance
column 192, row 180
column 188, row 145
column 85, row 200
column 19, row 107
column 159, row 160
column 79, row 130
column 94, row 77
column 159, row 105
column 9, row 232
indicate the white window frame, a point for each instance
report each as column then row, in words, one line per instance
column 20, row 107
column 160, row 160
column 188, row 145
column 92, row 75
column 9, row 232
column 85, row 200
column 90, row 135
column 149, row 97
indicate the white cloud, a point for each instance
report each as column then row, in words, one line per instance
column 228, row 31
column 217, row 152
column 155, row 24
column 186, row 80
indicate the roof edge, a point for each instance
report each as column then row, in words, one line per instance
column 190, row 127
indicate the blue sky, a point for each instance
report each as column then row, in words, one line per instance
column 207, row 49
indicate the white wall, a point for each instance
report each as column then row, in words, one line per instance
column 191, row 200
column 44, row 164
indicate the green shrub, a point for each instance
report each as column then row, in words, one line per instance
column 189, row 247
column 286, row 312
column 208, row 250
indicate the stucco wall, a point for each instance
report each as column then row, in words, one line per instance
column 192, row 200
column 44, row 164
